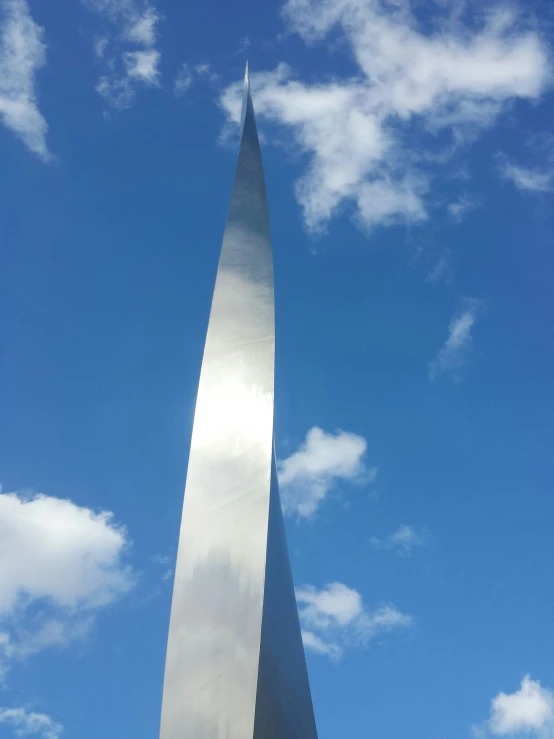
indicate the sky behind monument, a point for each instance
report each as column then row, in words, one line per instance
column 409, row 160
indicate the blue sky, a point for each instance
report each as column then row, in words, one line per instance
column 409, row 160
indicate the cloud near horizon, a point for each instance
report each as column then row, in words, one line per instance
column 353, row 130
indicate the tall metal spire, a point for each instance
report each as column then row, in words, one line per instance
column 235, row 666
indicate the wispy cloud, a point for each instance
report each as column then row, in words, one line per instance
column 100, row 45
column 165, row 562
column 242, row 47
column 322, row 461
column 356, row 131
column 528, row 711
column 183, row 80
column 440, row 272
column 454, row 354
column 59, row 564
column 402, row 541
column 461, row 207
column 27, row 723
column 335, row 618
column 129, row 55
column 22, row 54
column 528, row 179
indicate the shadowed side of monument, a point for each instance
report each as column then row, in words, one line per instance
column 235, row 666
column 283, row 701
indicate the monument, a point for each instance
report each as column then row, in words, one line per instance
column 235, row 665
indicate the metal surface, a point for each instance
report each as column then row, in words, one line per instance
column 235, row 665
column 283, row 703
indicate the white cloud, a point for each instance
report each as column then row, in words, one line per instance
column 461, row 207
column 118, row 92
column 322, row 460
column 402, row 541
column 136, row 20
column 454, row 354
column 183, row 80
column 336, row 603
column 136, row 25
column 207, row 72
column 530, row 711
column 22, row 54
column 51, row 548
column 534, row 180
column 26, row 723
column 204, row 70
column 335, row 618
column 318, row 645
column 143, row 65
column 141, row 29
column 59, row 564
column 355, row 131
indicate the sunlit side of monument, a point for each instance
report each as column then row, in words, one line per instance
column 235, row 666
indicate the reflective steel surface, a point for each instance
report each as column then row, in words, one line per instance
column 235, row 665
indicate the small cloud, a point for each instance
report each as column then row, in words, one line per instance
column 164, row 561
column 335, row 604
column 402, row 542
column 335, row 618
column 323, row 460
column 22, row 54
column 454, row 354
column 118, row 92
column 100, row 45
column 142, row 29
column 440, row 272
column 529, row 711
column 183, row 80
column 135, row 23
column 27, row 723
column 461, row 207
column 316, row 644
column 243, row 46
column 206, row 71
column 203, row 69
column 531, row 180
column 143, row 65
column 161, row 559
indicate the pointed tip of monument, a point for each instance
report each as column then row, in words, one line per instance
column 246, row 76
